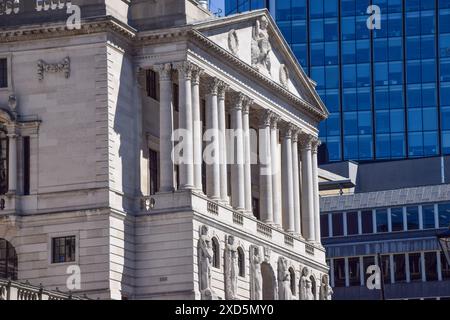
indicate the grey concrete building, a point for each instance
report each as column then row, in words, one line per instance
column 393, row 213
column 99, row 194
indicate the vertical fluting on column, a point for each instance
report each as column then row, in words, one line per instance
column 307, row 188
column 276, row 188
column 296, row 180
column 222, row 143
column 197, row 131
column 212, row 152
column 247, row 155
column 186, row 162
column 167, row 176
column 265, row 170
column 315, row 172
column 12, row 161
column 287, row 180
column 237, row 173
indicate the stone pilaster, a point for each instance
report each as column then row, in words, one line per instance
column 296, row 180
column 265, row 169
column 305, row 141
column 276, row 187
column 315, row 172
column 197, row 131
column 247, row 156
column 222, row 89
column 287, row 180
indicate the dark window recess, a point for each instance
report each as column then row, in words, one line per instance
column 3, row 163
column 397, row 219
column 382, row 220
column 399, row 268
column 324, row 226
column 3, row 73
column 241, row 262
column 216, row 253
column 8, row 261
column 339, row 272
column 352, row 223
column 386, row 261
column 431, row 266
column 354, row 272
column 26, row 166
column 255, row 205
column 152, row 84
column 415, row 268
column 176, row 97
column 153, row 164
column 367, row 222
column 445, row 267
column 412, row 218
column 177, row 177
column 338, row 226
column 63, row 249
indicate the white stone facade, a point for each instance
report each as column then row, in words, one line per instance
column 82, row 101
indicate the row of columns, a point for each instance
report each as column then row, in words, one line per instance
column 292, row 205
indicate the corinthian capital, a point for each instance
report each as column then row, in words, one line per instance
column 266, row 119
column 246, row 105
column 184, row 69
column 274, row 121
column 196, row 73
column 222, row 89
column 213, row 86
column 164, row 70
column 315, row 144
column 305, row 141
column 238, row 100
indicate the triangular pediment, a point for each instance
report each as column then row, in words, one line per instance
column 255, row 39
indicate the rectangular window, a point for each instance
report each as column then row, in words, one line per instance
column 367, row 222
column 3, row 73
column 428, row 217
column 431, row 266
column 399, row 268
column 3, row 163
column 382, row 220
column 152, row 84
column 26, row 166
column 352, row 223
column 255, row 205
column 412, row 218
column 338, row 226
column 153, row 168
column 445, row 267
column 339, row 272
column 415, row 267
column 63, row 249
column 354, row 272
column 397, row 219
column 324, row 225
column 386, row 261
column 444, row 215
column 176, row 97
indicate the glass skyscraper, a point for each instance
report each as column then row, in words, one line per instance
column 387, row 89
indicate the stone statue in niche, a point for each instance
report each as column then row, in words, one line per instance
column 205, row 256
column 326, row 292
column 256, row 281
column 231, row 269
column 284, row 279
column 306, row 286
column 261, row 46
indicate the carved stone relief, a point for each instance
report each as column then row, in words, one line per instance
column 63, row 66
column 256, row 280
column 261, row 47
column 233, row 42
column 284, row 76
column 205, row 256
column 231, row 269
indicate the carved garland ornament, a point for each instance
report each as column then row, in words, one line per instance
column 63, row 66
column 233, row 42
column 284, row 76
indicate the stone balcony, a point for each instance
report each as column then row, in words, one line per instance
column 13, row 290
column 221, row 214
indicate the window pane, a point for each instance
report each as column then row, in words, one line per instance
column 399, row 268
column 415, row 268
column 386, row 261
column 445, row 268
column 354, row 272
column 338, row 227
column 431, row 266
column 3, row 73
column 428, row 217
column 339, row 272
column 324, row 226
column 382, row 220
column 444, row 215
column 397, row 219
column 352, row 223
column 367, row 222
column 412, row 215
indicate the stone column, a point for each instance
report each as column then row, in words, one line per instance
column 222, row 143
column 197, row 133
column 288, row 181
column 315, row 173
column 212, row 150
column 276, row 188
column 167, row 176
column 186, row 124
column 296, row 177
column 247, row 156
column 307, row 188
column 265, row 170
column 12, row 163
column 237, row 173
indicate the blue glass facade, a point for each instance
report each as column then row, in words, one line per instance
column 388, row 89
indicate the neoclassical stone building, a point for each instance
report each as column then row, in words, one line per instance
column 167, row 153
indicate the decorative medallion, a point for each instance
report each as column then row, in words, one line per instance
column 284, row 76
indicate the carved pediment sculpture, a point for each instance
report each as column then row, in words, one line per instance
column 62, row 66
column 261, row 47
column 233, row 42
column 284, row 76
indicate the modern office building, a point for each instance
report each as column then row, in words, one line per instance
column 394, row 214
column 387, row 89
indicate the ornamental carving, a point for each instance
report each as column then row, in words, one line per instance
column 233, row 42
column 63, row 66
column 205, row 256
column 256, row 280
column 9, row 7
column 284, row 76
column 231, row 269
column 261, row 46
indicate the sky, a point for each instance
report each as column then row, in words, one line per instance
column 215, row 5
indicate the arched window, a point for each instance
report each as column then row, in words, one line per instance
column 3, row 162
column 292, row 273
column 216, row 253
column 8, row 261
column 241, row 262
